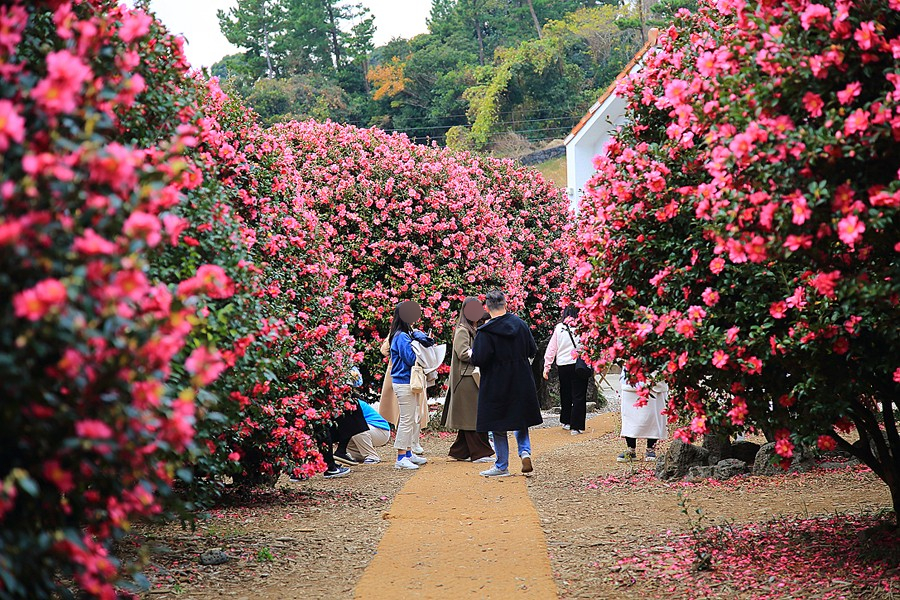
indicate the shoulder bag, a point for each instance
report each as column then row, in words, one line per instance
column 582, row 369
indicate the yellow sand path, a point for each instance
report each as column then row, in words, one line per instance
column 455, row 534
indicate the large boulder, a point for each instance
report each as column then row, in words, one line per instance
column 745, row 451
column 718, row 447
column 728, row 468
column 679, row 459
column 766, row 461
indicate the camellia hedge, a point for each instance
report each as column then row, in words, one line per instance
column 182, row 288
column 149, row 342
column 408, row 221
column 740, row 239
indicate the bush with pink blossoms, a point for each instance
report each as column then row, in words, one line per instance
column 416, row 222
column 740, row 239
column 88, row 341
column 290, row 351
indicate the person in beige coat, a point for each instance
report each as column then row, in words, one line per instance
column 388, row 407
column 461, row 405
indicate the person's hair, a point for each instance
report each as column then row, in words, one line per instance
column 495, row 299
column 398, row 324
column 463, row 321
column 569, row 313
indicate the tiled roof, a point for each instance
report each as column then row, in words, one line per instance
column 652, row 35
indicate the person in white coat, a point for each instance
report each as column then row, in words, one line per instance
column 646, row 421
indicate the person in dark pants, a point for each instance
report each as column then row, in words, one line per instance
column 563, row 347
column 461, row 407
column 507, row 397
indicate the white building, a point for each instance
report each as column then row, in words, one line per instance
column 590, row 135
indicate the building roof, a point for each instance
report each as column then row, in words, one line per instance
column 652, row 36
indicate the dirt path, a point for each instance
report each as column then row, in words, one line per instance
column 454, row 533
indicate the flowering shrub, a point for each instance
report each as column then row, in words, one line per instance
column 740, row 236
column 292, row 361
column 88, row 341
column 407, row 221
column 148, row 335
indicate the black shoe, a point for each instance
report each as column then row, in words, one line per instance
column 339, row 472
column 345, row 459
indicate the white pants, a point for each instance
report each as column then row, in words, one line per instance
column 362, row 445
column 407, row 428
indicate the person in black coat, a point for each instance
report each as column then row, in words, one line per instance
column 507, row 397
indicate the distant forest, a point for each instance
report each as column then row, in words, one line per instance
column 493, row 76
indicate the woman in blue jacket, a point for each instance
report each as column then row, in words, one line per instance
column 402, row 360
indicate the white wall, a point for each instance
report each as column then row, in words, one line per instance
column 588, row 143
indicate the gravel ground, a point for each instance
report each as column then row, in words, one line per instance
column 313, row 539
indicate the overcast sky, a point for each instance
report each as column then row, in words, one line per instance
column 196, row 20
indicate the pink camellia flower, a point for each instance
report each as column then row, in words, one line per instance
column 93, row 429
column 706, row 64
column 62, row 479
column 12, row 125
column 866, row 36
column 135, row 24
column 59, row 90
column 783, row 445
column 212, row 281
column 858, row 121
column 813, row 104
column 850, row 229
column 731, row 335
column 710, row 297
column 720, row 359
column 846, row 95
column 174, row 227
column 685, row 327
column 796, row 242
column 34, row 303
column 205, row 365
column 799, row 208
column 778, row 309
column 141, row 225
column 716, row 265
column 897, row 375
column 814, row 14
column 739, row 411
column 826, row 443
column 698, row 425
column 90, row 244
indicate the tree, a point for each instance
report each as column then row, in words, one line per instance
column 360, row 45
column 740, row 238
column 255, row 25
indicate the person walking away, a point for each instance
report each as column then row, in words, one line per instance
column 461, row 407
column 402, row 360
column 642, row 421
column 563, row 347
column 507, row 397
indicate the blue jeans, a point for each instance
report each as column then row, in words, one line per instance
column 501, row 447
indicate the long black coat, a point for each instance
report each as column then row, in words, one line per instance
column 507, row 398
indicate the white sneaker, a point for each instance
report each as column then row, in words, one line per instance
column 417, row 460
column 484, row 459
column 567, row 426
column 405, row 464
column 495, row 472
column 527, row 467
column 417, row 449
column 576, row 432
